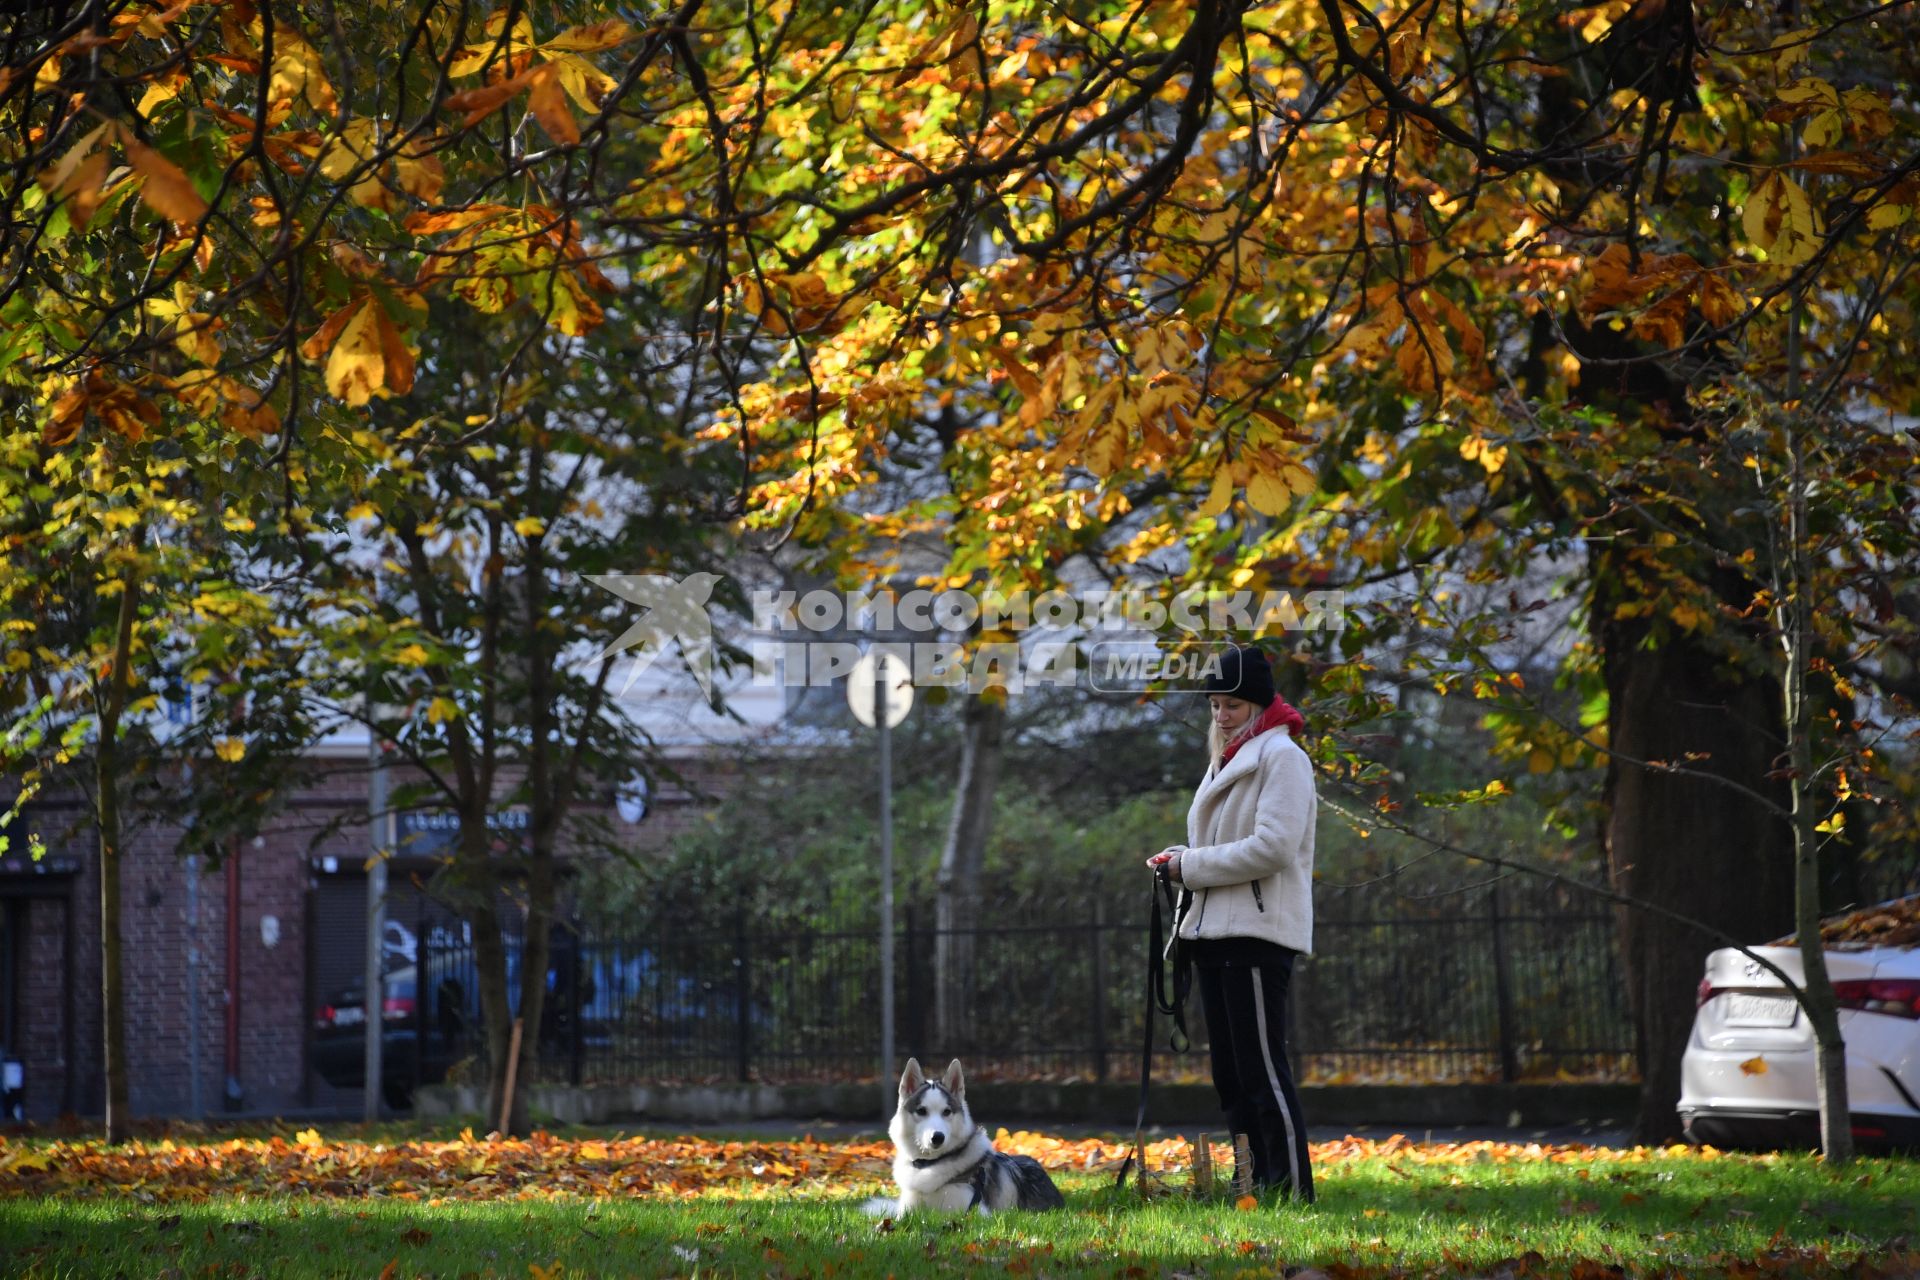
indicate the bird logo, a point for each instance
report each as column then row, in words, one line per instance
column 676, row 609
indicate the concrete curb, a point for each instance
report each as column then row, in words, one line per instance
column 1436, row 1106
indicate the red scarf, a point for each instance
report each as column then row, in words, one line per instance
column 1277, row 712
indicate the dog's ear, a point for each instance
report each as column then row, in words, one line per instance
column 912, row 1078
column 953, row 1082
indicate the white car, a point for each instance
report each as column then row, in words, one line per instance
column 1747, row 1078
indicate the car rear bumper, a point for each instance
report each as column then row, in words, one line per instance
column 341, row 1060
column 1790, row 1129
column 1747, row 1095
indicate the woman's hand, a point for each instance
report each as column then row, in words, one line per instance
column 1169, row 858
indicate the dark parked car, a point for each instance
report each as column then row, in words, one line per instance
column 441, row 1033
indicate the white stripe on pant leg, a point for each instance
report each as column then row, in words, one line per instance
column 1273, row 1079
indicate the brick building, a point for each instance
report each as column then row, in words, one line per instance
column 224, row 968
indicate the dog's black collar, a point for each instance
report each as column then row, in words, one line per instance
column 931, row 1161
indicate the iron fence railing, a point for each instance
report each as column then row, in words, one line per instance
column 1501, row 982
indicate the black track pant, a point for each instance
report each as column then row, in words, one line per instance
column 1246, row 1008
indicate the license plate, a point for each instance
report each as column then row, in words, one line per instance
column 347, row 1017
column 1761, row 1011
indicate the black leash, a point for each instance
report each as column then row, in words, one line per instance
column 1167, row 993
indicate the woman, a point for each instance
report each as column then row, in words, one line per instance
column 1247, row 867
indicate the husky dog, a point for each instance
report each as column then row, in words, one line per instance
column 942, row 1160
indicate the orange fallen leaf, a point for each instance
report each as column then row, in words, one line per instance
column 1754, row 1066
column 1245, row 1203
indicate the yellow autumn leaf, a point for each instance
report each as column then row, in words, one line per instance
column 593, row 1151
column 564, row 301
column 298, row 73
column 1490, row 456
column 1754, row 1066
column 1885, row 217
column 419, row 171
column 585, row 83
column 1812, row 91
column 1823, row 130
column 1220, row 494
column 25, row 1158
column 1834, row 825
column 60, row 178
column 1595, row 21
column 158, row 92
column 592, row 38
column 530, row 526
column 412, row 655
column 308, row 1138
column 1272, row 492
column 368, row 357
column 357, row 368
column 232, row 750
column 441, row 710
column 1779, row 218
column 1540, row 760
column 1107, row 446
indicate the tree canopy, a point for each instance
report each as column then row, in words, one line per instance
column 1210, row 293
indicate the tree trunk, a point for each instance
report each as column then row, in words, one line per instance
column 1816, row 986
column 1796, row 616
column 534, row 954
column 490, row 960
column 490, row 965
column 957, row 909
column 113, row 1024
column 1678, row 838
column 536, row 949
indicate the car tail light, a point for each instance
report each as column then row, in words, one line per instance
column 1899, row 997
column 1705, row 992
column 396, row 1008
column 324, row 1018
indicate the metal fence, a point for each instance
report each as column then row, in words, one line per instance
column 1501, row 982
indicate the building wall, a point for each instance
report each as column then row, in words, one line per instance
column 174, row 962
column 165, row 924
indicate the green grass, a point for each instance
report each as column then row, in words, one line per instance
column 1673, row 1217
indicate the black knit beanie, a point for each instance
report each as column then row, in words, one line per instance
column 1244, row 674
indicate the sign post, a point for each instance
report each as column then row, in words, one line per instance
column 880, row 692
column 374, row 1006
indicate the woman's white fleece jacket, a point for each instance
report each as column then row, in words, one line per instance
column 1249, row 854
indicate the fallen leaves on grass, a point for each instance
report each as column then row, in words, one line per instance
column 543, row 1166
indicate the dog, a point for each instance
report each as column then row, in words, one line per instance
column 942, row 1160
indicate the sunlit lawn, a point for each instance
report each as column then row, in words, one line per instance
column 1446, row 1211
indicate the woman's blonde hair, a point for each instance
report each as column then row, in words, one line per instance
column 1216, row 742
